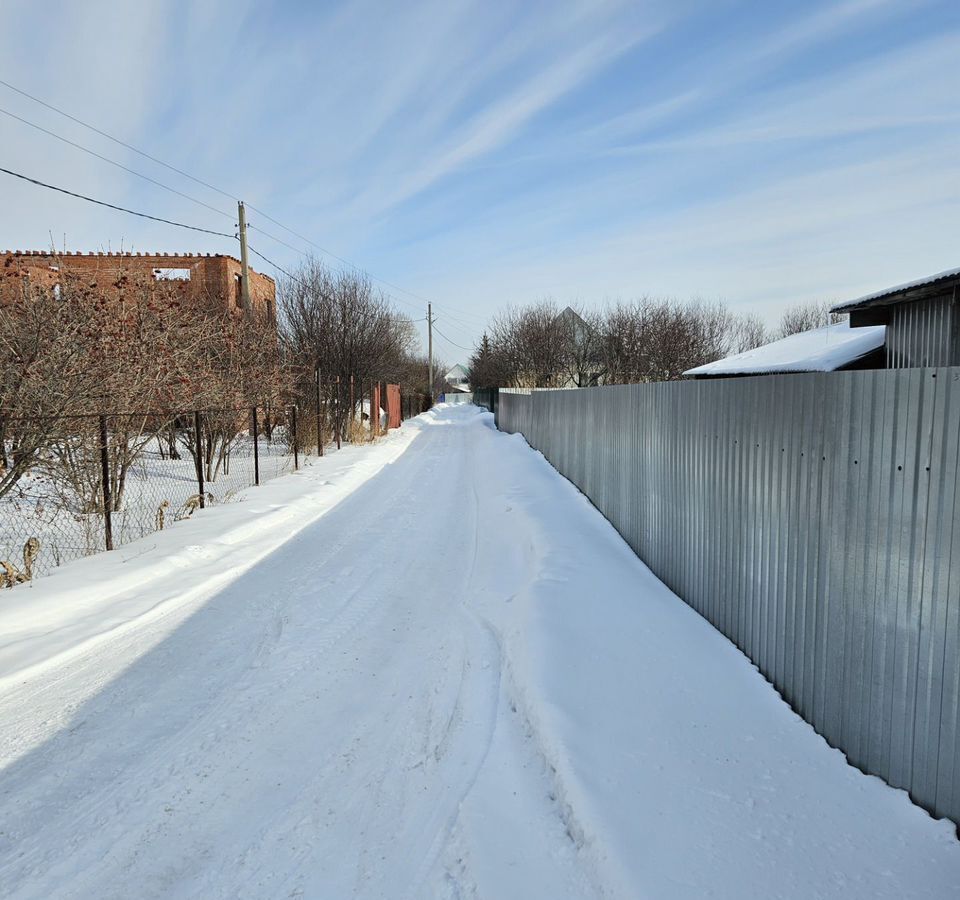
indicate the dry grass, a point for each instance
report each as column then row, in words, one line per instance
column 358, row 433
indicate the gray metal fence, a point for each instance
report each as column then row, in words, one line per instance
column 814, row 520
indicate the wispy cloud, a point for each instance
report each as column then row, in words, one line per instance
column 494, row 126
column 481, row 152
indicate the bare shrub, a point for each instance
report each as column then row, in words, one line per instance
column 131, row 349
column 79, row 351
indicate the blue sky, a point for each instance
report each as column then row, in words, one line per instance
column 483, row 154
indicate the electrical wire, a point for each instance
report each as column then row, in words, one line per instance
column 155, row 219
column 142, row 215
column 113, row 162
column 194, row 179
column 132, row 212
column 290, row 275
column 467, row 331
column 117, row 140
column 356, row 269
column 454, row 343
column 279, row 268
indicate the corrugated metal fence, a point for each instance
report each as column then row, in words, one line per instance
column 814, row 520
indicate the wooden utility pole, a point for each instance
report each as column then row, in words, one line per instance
column 430, row 346
column 244, row 267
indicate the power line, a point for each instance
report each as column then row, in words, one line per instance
column 277, row 267
column 192, row 178
column 293, row 277
column 113, row 162
column 142, row 215
column 479, row 322
column 152, row 181
column 273, row 237
column 114, row 206
column 454, row 343
column 467, row 330
column 117, row 140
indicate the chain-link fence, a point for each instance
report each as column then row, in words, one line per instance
column 102, row 481
column 72, row 486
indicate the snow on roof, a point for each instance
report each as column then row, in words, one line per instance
column 823, row 349
column 872, row 299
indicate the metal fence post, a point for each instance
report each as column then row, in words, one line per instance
column 105, row 477
column 199, row 434
column 293, row 428
column 337, row 417
column 256, row 446
column 353, row 406
column 319, row 424
column 369, row 409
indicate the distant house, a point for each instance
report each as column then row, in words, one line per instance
column 457, row 380
column 583, row 347
column 922, row 319
column 827, row 349
column 456, row 387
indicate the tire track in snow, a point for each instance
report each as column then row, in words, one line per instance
column 520, row 724
column 341, row 703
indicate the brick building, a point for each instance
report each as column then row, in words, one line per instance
column 211, row 279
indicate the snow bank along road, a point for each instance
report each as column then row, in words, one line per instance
column 457, row 681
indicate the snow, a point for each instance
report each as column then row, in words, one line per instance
column 906, row 286
column 35, row 507
column 94, row 596
column 823, row 349
column 315, row 692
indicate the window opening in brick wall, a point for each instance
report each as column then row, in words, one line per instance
column 171, row 274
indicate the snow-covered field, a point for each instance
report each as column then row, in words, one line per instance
column 424, row 668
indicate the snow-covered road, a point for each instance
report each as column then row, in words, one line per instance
column 458, row 681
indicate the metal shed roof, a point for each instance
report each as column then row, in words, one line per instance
column 911, row 290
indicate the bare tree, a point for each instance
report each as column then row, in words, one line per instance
column 806, row 316
column 646, row 339
column 746, row 333
column 132, row 350
column 415, row 375
column 341, row 324
column 238, row 367
column 531, row 345
column 582, row 335
column 654, row 339
column 78, row 351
